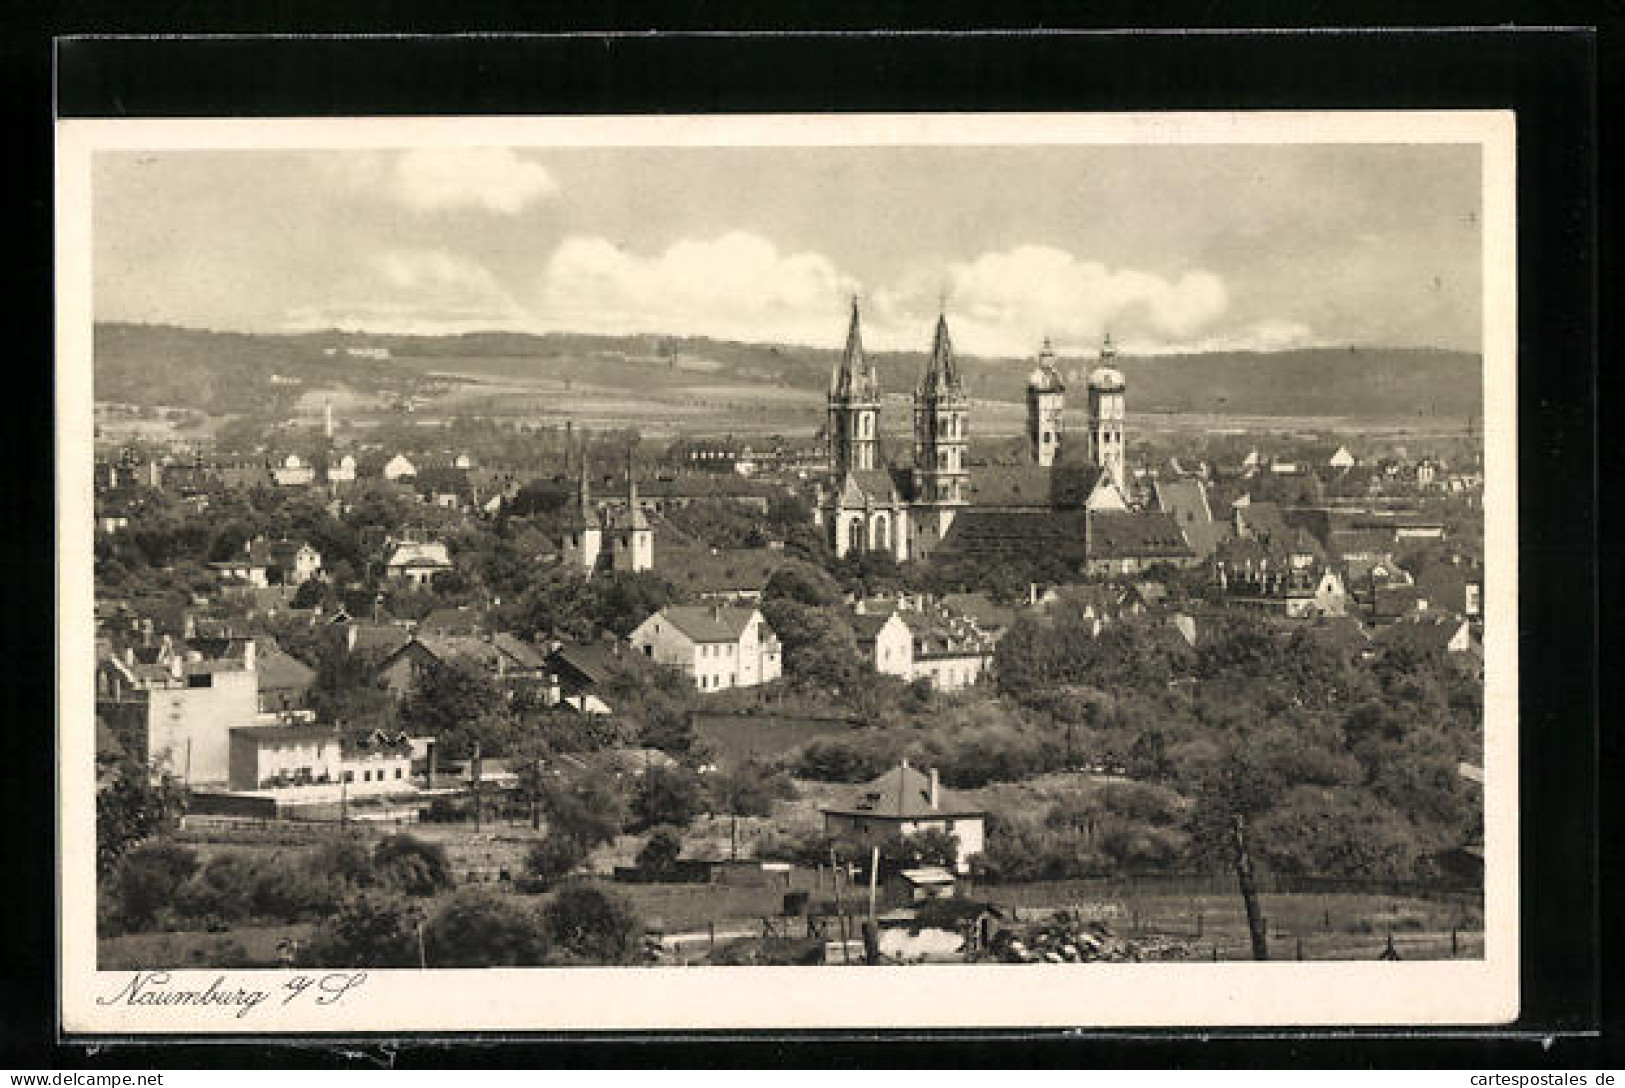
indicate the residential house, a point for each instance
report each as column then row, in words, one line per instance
column 311, row 763
column 399, row 468
column 578, row 672
column 904, row 802
column 886, row 641
column 294, row 471
column 174, row 709
column 949, row 649
column 510, row 661
column 266, row 563
column 1131, row 542
column 284, row 681
column 418, row 561
column 717, row 646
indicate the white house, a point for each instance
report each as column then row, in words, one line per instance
column 294, row 472
column 342, row 471
column 399, row 468
column 903, row 802
column 718, row 647
column 1342, row 458
column 313, row 762
column 887, row 641
column 178, row 713
column 418, row 561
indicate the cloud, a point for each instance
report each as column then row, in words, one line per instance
column 1003, row 303
column 493, row 179
column 734, row 286
column 414, row 291
column 1267, row 335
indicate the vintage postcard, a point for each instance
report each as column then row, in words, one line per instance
column 863, row 571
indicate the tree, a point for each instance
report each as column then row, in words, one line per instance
column 930, row 847
column 147, row 878
column 460, row 707
column 667, row 795
column 659, row 854
column 803, row 583
column 411, row 865
column 367, row 931
column 311, row 592
column 593, row 923
column 480, row 928
column 554, row 857
column 132, row 806
column 820, row 649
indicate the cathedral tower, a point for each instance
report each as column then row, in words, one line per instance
column 1107, row 416
column 1046, row 401
column 854, row 407
column 584, row 538
column 941, row 437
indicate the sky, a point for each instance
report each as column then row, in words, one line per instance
column 1169, row 248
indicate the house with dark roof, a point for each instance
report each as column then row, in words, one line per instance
column 579, row 672
column 505, row 658
column 716, row 646
column 284, row 680
column 903, row 802
column 1131, row 542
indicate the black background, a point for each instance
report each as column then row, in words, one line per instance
column 1551, row 78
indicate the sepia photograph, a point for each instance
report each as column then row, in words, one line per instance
column 787, row 571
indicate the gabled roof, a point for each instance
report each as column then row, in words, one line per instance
column 278, row 669
column 1185, row 500
column 868, row 485
column 592, row 661
column 1010, row 485
column 452, row 621
column 379, row 638
column 1423, row 635
column 419, row 553
column 868, row 625
column 1139, row 535
column 903, row 793
column 1060, row 534
column 988, row 613
column 726, row 570
column 703, row 624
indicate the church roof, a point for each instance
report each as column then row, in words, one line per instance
column 1133, row 534
column 941, row 372
column 1060, row 534
column 863, row 485
column 1045, row 378
column 1010, row 486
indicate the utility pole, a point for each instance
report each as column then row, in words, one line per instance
column 835, row 882
column 1249, row 889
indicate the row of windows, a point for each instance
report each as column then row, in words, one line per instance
column 369, row 776
column 714, row 683
column 721, row 649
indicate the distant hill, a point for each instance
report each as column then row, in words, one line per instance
column 215, row 371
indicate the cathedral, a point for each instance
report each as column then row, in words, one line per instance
column 939, row 501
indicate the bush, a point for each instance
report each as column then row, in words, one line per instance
column 290, row 890
column 146, row 881
column 367, row 931
column 594, row 924
column 481, row 928
column 412, row 865
column 839, row 760
column 555, row 857
column 346, row 857
column 222, row 890
column 659, row 854
column 667, row 795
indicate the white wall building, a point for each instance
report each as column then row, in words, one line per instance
column 718, row 647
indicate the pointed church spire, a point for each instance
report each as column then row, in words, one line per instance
column 854, row 373
column 941, row 372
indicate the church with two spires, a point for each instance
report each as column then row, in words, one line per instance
column 1074, row 505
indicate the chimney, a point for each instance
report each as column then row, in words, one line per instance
column 249, row 655
column 936, row 788
column 1032, row 592
column 554, row 695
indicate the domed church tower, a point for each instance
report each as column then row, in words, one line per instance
column 1046, row 402
column 1107, row 416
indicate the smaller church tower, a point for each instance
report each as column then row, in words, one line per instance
column 1046, row 403
column 1108, row 417
column 584, row 538
column 854, row 407
column 634, row 543
column 941, row 441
